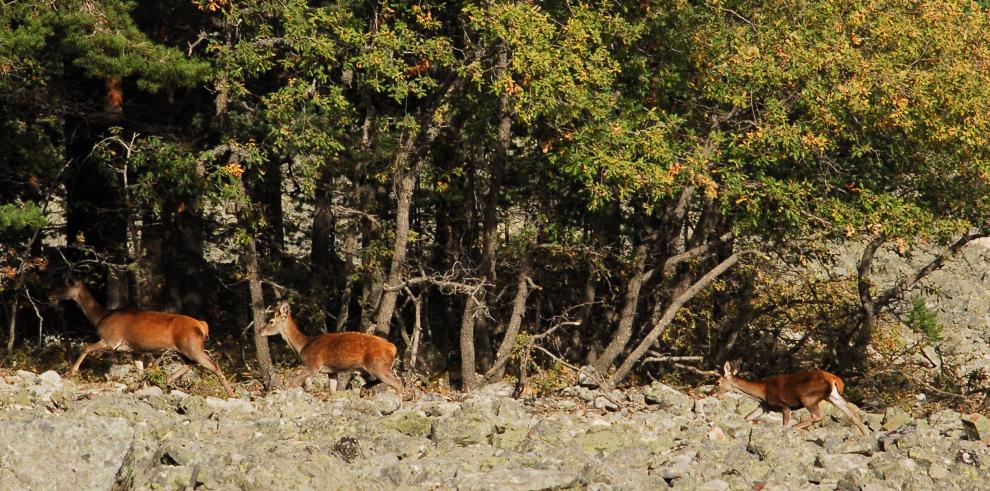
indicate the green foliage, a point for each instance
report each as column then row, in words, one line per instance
column 922, row 320
column 156, row 378
column 106, row 42
column 581, row 124
column 21, row 215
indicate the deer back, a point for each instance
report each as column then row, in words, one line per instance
column 348, row 350
column 789, row 390
column 146, row 330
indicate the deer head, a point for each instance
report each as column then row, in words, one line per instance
column 71, row 289
column 727, row 382
column 279, row 322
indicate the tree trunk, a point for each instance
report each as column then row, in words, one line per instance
column 405, row 183
column 469, row 369
column 253, row 269
column 12, row 326
column 660, row 326
column 624, row 331
column 343, row 313
column 258, row 312
column 482, row 333
column 515, row 322
column 853, row 354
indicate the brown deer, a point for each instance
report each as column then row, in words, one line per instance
column 789, row 392
column 332, row 352
column 141, row 331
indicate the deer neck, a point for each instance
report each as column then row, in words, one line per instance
column 93, row 310
column 294, row 336
column 755, row 390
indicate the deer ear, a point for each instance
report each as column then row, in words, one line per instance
column 736, row 366
column 283, row 308
column 728, row 369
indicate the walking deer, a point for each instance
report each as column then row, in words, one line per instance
column 332, row 352
column 789, row 392
column 141, row 331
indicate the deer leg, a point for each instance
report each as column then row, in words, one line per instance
column 384, row 373
column 193, row 348
column 816, row 416
column 100, row 345
column 843, row 406
column 756, row 413
column 299, row 379
column 787, row 415
column 206, row 362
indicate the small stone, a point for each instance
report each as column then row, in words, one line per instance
column 497, row 389
column 977, row 426
column 716, row 434
column 588, row 377
column 894, row 418
column 388, row 402
column 26, row 375
column 51, row 378
column 230, row 404
column 602, row 402
column 938, row 471
column 118, row 372
column 637, row 398
column 587, row 395
column 150, row 391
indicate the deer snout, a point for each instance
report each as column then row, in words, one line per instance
column 268, row 329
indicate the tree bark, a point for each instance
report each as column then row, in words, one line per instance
column 856, row 352
column 405, row 183
column 660, row 326
column 515, row 322
column 253, row 269
column 258, row 312
column 482, row 328
column 624, row 330
column 12, row 325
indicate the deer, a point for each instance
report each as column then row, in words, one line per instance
column 141, row 331
column 333, row 352
column 789, row 392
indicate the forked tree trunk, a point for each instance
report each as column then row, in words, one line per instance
column 515, row 322
column 661, row 324
column 624, row 331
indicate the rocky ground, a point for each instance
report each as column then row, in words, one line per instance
column 63, row 434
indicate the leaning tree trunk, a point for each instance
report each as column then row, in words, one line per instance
column 624, row 332
column 515, row 321
column 661, row 324
column 852, row 355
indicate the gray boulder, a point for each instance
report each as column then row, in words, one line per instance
column 63, row 453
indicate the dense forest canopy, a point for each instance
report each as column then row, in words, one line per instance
column 501, row 184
